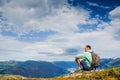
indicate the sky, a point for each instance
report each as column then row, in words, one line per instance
column 58, row 30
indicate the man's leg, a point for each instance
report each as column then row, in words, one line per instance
column 78, row 62
column 85, row 67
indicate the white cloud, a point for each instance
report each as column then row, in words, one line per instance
column 96, row 5
column 115, row 14
column 43, row 16
column 54, row 48
column 101, row 41
column 114, row 25
column 12, row 49
column 64, row 21
column 64, row 16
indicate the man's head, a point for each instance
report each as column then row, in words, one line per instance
column 87, row 48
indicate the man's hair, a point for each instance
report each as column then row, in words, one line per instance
column 88, row 46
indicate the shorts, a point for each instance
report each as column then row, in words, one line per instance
column 85, row 66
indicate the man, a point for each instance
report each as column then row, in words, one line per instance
column 84, row 60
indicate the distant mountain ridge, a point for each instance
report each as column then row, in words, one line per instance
column 109, row 63
column 47, row 69
column 31, row 69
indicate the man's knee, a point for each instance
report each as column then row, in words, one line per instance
column 78, row 60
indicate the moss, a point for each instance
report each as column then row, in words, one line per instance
column 115, row 72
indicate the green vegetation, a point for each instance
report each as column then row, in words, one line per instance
column 108, row 74
column 10, row 77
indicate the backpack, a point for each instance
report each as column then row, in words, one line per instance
column 95, row 60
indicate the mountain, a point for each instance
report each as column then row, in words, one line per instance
column 45, row 69
column 31, row 69
column 66, row 64
column 104, row 62
column 109, row 63
column 114, row 63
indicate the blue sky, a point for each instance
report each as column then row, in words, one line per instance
column 55, row 30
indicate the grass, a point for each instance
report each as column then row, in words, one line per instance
column 108, row 74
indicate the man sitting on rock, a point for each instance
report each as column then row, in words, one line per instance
column 84, row 60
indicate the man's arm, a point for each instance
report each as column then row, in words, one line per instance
column 80, row 56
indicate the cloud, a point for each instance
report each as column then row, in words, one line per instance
column 41, row 15
column 17, row 50
column 115, row 14
column 98, row 39
column 59, row 45
column 65, row 21
column 96, row 5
